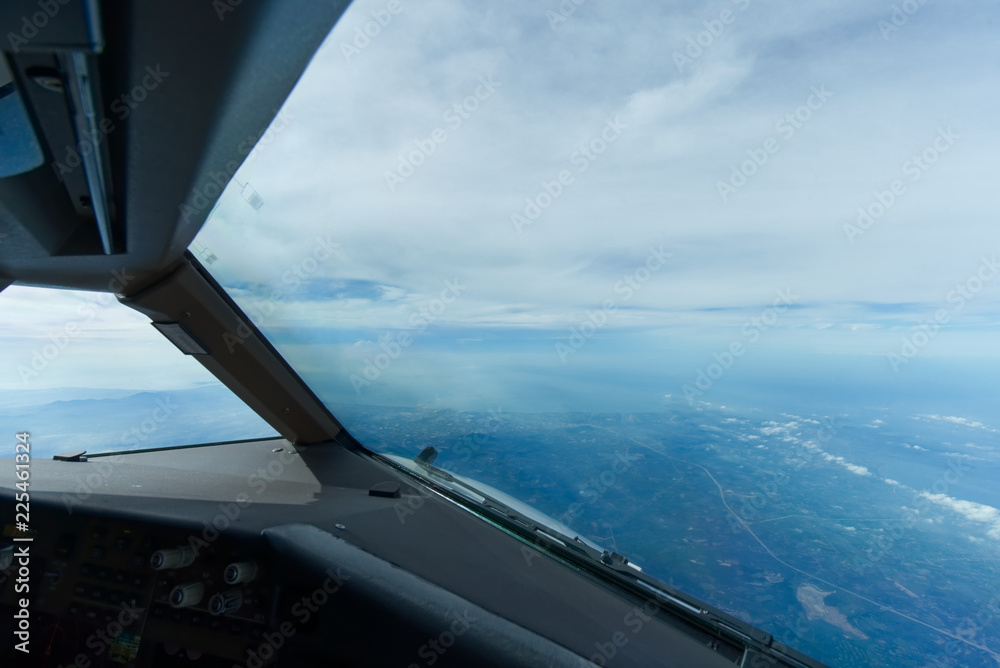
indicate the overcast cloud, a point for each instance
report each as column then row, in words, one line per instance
column 344, row 253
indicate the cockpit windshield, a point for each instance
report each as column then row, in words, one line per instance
column 713, row 284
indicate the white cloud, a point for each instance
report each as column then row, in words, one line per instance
column 657, row 182
column 962, row 455
column 55, row 339
column 657, row 104
column 853, row 468
column 970, row 510
column 974, row 424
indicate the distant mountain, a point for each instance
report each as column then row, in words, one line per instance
column 18, row 398
column 102, row 420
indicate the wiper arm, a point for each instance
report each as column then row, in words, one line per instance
column 611, row 565
column 496, row 507
column 548, row 533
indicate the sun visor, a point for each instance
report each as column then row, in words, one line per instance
column 19, row 148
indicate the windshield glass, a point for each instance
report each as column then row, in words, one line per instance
column 711, row 283
column 83, row 372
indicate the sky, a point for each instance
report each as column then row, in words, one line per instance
column 724, row 177
column 55, row 339
column 431, row 179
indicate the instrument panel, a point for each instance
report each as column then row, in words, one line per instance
column 108, row 592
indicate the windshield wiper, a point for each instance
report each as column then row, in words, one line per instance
column 555, row 538
column 551, row 530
